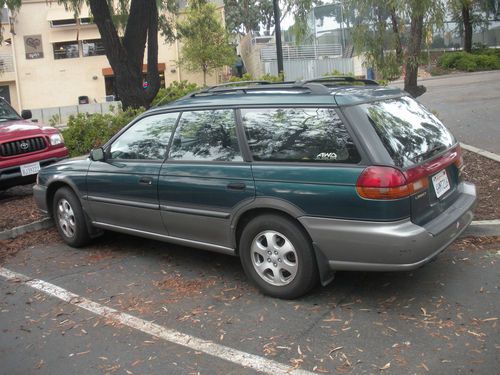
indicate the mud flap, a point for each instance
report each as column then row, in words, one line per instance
column 326, row 275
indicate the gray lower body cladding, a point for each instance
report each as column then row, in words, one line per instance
column 394, row 246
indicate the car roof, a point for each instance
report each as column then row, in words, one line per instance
column 340, row 91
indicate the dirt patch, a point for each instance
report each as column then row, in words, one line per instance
column 18, row 211
column 11, row 247
column 485, row 173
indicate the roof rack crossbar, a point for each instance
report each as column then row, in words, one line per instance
column 334, row 79
column 245, row 89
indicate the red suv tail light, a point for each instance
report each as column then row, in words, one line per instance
column 387, row 183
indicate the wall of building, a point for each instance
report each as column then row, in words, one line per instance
column 49, row 82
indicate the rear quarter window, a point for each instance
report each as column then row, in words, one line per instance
column 410, row 133
column 298, row 135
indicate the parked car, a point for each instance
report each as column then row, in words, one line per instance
column 25, row 147
column 297, row 179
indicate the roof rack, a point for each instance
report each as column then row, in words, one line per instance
column 338, row 79
column 320, row 86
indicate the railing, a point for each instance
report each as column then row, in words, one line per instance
column 6, row 63
column 302, row 52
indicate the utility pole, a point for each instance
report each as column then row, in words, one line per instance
column 277, row 35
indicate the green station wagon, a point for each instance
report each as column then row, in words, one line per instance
column 297, row 179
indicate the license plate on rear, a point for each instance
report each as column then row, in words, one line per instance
column 441, row 183
column 29, row 169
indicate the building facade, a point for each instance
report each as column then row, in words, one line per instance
column 50, row 58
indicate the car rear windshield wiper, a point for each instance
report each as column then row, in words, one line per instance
column 433, row 150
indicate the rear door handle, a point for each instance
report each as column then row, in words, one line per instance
column 146, row 181
column 236, row 186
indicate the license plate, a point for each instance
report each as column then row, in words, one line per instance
column 29, row 169
column 441, row 183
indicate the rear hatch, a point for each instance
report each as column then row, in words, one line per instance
column 423, row 149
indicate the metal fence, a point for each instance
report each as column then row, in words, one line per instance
column 302, row 52
column 310, row 68
column 60, row 115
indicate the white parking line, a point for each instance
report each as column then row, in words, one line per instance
column 208, row 347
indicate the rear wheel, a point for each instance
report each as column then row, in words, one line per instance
column 69, row 218
column 278, row 257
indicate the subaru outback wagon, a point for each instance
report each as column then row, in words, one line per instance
column 297, row 179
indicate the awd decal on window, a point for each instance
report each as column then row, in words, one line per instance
column 327, row 156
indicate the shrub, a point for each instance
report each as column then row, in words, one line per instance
column 265, row 77
column 87, row 131
column 174, row 91
column 470, row 62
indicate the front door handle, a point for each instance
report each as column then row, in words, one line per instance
column 236, row 186
column 146, row 181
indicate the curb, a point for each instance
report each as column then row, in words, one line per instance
column 483, row 228
column 10, row 234
column 480, row 151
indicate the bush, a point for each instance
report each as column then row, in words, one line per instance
column 471, row 62
column 265, row 77
column 87, row 131
column 174, row 91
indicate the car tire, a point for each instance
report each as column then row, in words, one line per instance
column 69, row 218
column 278, row 257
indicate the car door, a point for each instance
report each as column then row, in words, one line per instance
column 204, row 178
column 123, row 189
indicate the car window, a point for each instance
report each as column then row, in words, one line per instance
column 206, row 135
column 298, row 135
column 409, row 132
column 147, row 139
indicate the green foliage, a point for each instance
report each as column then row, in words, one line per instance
column 265, row 77
column 205, row 41
column 174, row 91
column 87, row 131
column 470, row 62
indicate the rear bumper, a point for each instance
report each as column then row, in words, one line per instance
column 394, row 246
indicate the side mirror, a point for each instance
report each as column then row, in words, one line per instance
column 26, row 114
column 97, row 154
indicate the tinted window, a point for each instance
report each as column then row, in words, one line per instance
column 298, row 135
column 409, row 132
column 147, row 139
column 206, row 135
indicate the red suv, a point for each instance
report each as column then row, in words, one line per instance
column 25, row 147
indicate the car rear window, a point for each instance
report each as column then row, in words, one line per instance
column 410, row 133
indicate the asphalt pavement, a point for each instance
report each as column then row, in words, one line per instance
column 468, row 104
column 440, row 319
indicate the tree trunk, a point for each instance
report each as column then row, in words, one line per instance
column 412, row 58
column 397, row 36
column 126, row 58
column 466, row 18
column 204, row 76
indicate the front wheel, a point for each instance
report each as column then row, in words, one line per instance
column 278, row 257
column 69, row 218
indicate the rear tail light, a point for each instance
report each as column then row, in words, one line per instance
column 388, row 183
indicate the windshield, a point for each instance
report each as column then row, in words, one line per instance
column 6, row 112
column 409, row 132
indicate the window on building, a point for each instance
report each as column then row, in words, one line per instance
column 298, row 135
column 93, row 47
column 86, row 21
column 62, row 23
column 206, row 135
column 66, row 50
